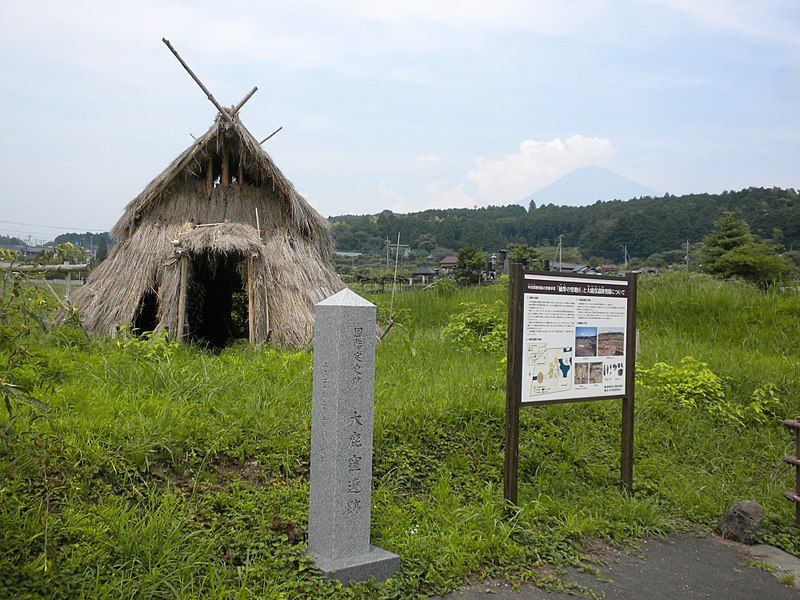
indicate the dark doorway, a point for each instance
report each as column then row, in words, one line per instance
column 146, row 317
column 213, row 303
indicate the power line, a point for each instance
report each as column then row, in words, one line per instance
column 68, row 228
column 20, row 232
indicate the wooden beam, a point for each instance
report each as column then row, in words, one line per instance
column 49, row 268
column 267, row 325
column 184, row 281
column 210, row 176
column 250, row 302
column 208, row 94
column 225, row 177
column 236, row 108
column 270, row 135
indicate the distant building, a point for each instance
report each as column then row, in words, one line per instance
column 31, row 252
column 422, row 275
column 347, row 254
column 448, row 264
column 404, row 250
column 498, row 262
column 568, row 267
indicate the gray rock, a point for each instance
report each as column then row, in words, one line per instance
column 743, row 522
column 341, row 442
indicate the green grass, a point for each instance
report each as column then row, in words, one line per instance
column 171, row 472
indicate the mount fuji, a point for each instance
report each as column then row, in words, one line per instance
column 587, row 185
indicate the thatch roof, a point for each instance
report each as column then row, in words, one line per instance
column 260, row 215
column 221, row 238
column 255, row 160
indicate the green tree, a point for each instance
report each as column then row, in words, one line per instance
column 522, row 253
column 730, row 250
column 66, row 252
column 102, row 250
column 470, row 262
column 426, row 242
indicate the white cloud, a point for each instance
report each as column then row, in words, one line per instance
column 435, row 195
column 767, row 19
column 514, row 176
column 546, row 17
column 507, row 179
column 457, row 197
column 424, row 160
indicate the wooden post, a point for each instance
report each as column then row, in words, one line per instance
column 225, row 178
column 513, row 382
column 626, row 476
column 270, row 135
column 68, row 292
column 250, row 302
column 240, row 174
column 238, row 107
column 184, row 280
column 210, row 176
column 266, row 312
column 208, row 94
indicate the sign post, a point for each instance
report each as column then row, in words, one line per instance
column 571, row 338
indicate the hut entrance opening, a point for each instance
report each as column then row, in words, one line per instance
column 147, row 316
column 216, row 303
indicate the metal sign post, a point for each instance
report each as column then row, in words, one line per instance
column 571, row 338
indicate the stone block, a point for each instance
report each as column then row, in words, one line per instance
column 341, row 441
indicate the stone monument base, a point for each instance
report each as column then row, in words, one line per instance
column 378, row 563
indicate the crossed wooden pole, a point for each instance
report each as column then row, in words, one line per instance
column 227, row 113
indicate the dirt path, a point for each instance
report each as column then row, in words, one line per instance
column 680, row 567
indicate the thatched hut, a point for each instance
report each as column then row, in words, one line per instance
column 220, row 245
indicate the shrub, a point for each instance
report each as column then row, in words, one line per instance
column 478, row 327
column 694, row 385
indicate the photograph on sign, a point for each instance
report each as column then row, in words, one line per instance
column 573, row 336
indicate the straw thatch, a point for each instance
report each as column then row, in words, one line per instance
column 189, row 210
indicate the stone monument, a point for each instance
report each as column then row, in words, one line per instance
column 341, row 442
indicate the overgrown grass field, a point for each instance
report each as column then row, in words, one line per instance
column 160, row 471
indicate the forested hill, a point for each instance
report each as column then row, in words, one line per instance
column 645, row 225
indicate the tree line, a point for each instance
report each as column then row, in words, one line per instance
column 645, row 226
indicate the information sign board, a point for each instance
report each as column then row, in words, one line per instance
column 571, row 338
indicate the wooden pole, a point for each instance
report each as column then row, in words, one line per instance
column 626, row 475
column 394, row 281
column 65, row 268
column 68, row 291
column 184, row 280
column 208, row 94
column 210, row 176
column 270, row 135
column 513, row 382
column 267, row 325
column 250, row 302
column 249, row 95
column 225, row 178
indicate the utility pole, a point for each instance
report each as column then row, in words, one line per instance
column 559, row 254
column 625, row 255
column 687, row 256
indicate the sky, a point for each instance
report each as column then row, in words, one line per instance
column 395, row 104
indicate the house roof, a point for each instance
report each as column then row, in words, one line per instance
column 449, row 261
column 423, row 270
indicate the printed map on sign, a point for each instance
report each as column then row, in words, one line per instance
column 550, row 369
